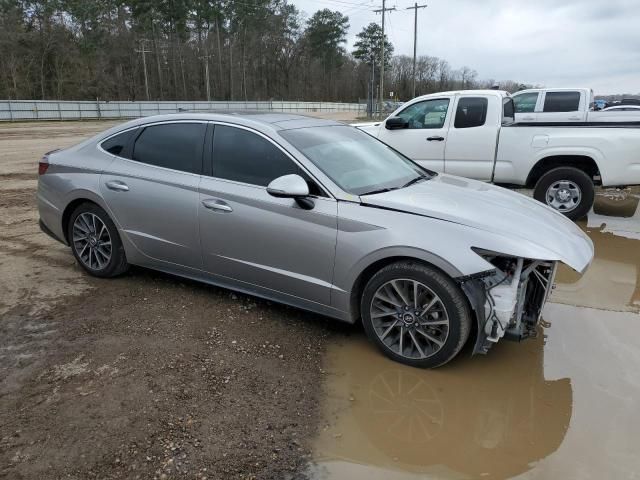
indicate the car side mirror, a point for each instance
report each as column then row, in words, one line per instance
column 396, row 123
column 288, row 186
column 291, row 186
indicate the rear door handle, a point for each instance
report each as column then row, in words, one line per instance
column 574, row 118
column 117, row 185
column 436, row 139
column 528, row 119
column 216, row 204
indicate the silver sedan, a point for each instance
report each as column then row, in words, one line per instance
column 315, row 214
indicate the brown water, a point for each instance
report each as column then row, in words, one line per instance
column 565, row 405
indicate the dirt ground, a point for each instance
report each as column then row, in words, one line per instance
column 152, row 376
column 144, row 376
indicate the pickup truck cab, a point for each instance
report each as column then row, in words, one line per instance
column 564, row 105
column 473, row 134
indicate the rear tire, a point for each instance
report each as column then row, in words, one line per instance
column 566, row 189
column 415, row 314
column 95, row 242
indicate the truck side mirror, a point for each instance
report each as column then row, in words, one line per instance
column 396, row 123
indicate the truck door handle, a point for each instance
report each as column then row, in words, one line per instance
column 528, row 119
column 436, row 139
column 216, row 204
column 117, row 185
column 574, row 118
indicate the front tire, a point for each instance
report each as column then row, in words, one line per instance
column 95, row 242
column 566, row 189
column 415, row 314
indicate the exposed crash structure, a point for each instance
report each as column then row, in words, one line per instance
column 508, row 300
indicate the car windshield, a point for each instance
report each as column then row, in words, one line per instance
column 354, row 160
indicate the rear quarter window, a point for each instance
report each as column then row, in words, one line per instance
column 118, row 144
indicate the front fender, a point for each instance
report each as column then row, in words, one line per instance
column 399, row 252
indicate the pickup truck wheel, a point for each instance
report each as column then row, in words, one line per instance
column 566, row 189
column 415, row 314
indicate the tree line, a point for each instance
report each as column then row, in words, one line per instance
column 173, row 49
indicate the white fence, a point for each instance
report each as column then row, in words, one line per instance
column 20, row 110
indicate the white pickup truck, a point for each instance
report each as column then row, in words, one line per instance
column 473, row 134
column 564, row 105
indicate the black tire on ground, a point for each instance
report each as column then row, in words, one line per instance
column 117, row 263
column 452, row 298
column 576, row 177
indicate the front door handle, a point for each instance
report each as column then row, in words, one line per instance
column 117, row 185
column 216, row 204
column 436, row 139
column 575, row 118
column 528, row 119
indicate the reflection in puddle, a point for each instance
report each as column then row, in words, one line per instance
column 562, row 406
column 491, row 416
column 611, row 283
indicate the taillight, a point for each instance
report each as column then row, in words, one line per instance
column 43, row 165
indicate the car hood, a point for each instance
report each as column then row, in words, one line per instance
column 486, row 207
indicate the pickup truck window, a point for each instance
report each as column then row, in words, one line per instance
column 526, row 102
column 471, row 112
column 427, row 114
column 562, row 102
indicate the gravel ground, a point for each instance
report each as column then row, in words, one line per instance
column 146, row 375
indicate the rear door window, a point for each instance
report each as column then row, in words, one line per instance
column 525, row 102
column 561, row 102
column 177, row 146
column 471, row 112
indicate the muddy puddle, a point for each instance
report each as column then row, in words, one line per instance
column 564, row 405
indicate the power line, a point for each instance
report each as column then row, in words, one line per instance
column 358, row 7
column 341, row 3
column 415, row 41
column 344, row 2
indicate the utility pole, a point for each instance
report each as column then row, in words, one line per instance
column 144, row 51
column 206, row 74
column 415, row 41
column 380, row 98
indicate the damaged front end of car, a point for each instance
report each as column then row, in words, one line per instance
column 508, row 300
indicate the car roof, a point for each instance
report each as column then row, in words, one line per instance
column 558, row 89
column 496, row 93
column 255, row 119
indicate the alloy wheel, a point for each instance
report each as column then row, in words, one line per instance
column 409, row 318
column 91, row 241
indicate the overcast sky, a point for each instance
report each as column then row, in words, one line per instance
column 555, row 43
